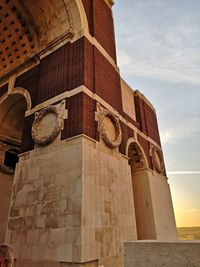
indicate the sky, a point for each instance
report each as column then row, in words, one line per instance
column 158, row 52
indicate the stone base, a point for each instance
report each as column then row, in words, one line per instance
column 72, row 202
column 165, row 254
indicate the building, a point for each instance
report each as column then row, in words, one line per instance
column 90, row 172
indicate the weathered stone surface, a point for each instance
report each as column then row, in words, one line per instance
column 14, row 212
column 16, row 224
column 28, row 223
column 51, row 220
column 166, row 254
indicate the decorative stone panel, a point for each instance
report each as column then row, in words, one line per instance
column 157, row 158
column 110, row 130
column 47, row 125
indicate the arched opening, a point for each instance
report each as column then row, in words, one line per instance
column 28, row 28
column 141, row 193
column 12, row 114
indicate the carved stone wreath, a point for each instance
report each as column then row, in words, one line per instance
column 157, row 160
column 48, row 139
column 102, row 129
column 3, row 149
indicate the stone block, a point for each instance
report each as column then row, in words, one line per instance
column 28, row 223
column 16, row 224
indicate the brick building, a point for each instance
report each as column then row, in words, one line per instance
column 81, row 164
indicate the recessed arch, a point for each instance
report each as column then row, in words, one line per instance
column 141, row 191
column 25, row 93
column 12, row 114
column 21, row 91
column 132, row 142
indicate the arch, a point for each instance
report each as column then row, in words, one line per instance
column 21, row 91
column 29, row 28
column 12, row 114
column 144, row 215
column 83, row 17
column 25, row 93
column 132, row 140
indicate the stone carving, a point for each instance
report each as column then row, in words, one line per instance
column 103, row 131
column 46, row 135
column 157, row 160
column 3, row 149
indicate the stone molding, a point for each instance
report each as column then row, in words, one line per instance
column 102, row 129
column 46, row 140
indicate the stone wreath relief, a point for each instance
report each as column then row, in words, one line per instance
column 102, row 129
column 157, row 160
column 39, row 135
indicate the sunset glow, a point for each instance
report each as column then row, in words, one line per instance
column 159, row 53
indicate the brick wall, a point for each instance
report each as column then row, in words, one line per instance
column 126, row 134
column 101, row 24
column 61, row 71
column 74, row 124
column 89, row 123
column 146, row 146
column 107, row 81
column 140, row 114
column 146, row 118
column 29, row 81
column 89, row 74
column 152, row 125
column 88, row 6
column 27, row 141
column 81, row 117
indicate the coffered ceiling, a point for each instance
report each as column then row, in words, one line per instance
column 28, row 26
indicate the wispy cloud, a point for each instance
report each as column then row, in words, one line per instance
column 183, row 172
column 167, row 51
column 123, row 58
column 185, row 129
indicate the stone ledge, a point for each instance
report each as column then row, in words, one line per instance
column 165, row 254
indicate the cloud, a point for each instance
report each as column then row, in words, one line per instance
column 165, row 48
column 184, row 129
column 123, row 58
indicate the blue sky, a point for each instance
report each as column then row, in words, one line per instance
column 158, row 49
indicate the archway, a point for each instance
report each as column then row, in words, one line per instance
column 12, row 113
column 141, row 192
column 28, row 29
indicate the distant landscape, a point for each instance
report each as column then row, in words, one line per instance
column 189, row 233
